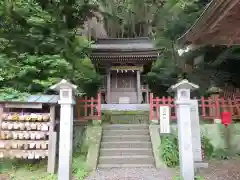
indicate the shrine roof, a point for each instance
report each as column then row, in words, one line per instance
column 218, row 25
column 124, row 44
column 124, row 49
column 39, row 99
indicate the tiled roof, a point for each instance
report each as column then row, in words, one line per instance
column 42, row 99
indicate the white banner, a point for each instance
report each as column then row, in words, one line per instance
column 164, row 115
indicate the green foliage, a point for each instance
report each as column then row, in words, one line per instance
column 78, row 167
column 221, row 154
column 173, row 19
column 169, row 149
column 39, row 46
column 208, row 147
column 181, row 178
column 36, row 169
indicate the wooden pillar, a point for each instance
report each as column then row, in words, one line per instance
column 139, row 92
column 109, row 87
column 52, row 145
column 1, row 117
column 147, row 97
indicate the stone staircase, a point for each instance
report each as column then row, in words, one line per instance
column 126, row 145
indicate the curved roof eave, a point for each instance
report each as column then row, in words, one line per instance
column 208, row 9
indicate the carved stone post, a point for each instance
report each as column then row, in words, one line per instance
column 139, row 92
column 183, row 102
column 109, row 87
column 66, row 101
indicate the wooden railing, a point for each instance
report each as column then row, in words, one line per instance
column 209, row 108
column 88, row 108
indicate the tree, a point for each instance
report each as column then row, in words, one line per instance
column 40, row 45
column 174, row 19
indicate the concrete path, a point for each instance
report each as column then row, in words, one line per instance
column 131, row 174
column 217, row 170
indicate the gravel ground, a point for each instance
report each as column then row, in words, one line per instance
column 222, row 170
column 131, row 174
column 218, row 170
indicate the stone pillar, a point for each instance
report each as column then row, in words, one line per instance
column 139, row 92
column 216, row 108
column 109, row 87
column 147, row 97
column 183, row 102
column 66, row 129
column 196, row 133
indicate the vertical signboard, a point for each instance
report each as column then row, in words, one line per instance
column 164, row 119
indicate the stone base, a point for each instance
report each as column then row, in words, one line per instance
column 97, row 122
column 154, row 121
column 217, row 121
column 200, row 165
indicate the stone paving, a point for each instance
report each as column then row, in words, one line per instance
column 218, row 170
column 131, row 174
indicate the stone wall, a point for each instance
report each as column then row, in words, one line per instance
column 79, row 135
column 126, row 117
column 215, row 132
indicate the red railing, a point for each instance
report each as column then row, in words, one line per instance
column 88, row 108
column 209, row 108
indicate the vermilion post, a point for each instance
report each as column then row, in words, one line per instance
column 99, row 105
column 217, row 116
column 157, row 107
column 85, row 107
column 210, row 106
column 151, row 107
column 203, row 107
column 91, row 106
column 77, row 108
column 230, row 106
column 169, row 102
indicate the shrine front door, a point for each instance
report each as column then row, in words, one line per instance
column 123, row 88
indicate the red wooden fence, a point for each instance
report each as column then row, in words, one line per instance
column 209, row 108
column 88, row 108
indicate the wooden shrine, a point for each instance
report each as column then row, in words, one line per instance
column 218, row 25
column 27, row 129
column 123, row 62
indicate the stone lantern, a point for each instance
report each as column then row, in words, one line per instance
column 66, row 92
column 185, row 145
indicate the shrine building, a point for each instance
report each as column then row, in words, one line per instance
column 123, row 63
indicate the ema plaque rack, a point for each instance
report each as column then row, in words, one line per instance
column 27, row 130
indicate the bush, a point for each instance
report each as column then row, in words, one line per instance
column 78, row 167
column 208, row 147
column 169, row 149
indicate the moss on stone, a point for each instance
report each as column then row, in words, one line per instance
column 93, row 140
column 156, row 141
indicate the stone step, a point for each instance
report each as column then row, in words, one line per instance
column 126, row 144
column 126, row 151
column 126, row 138
column 126, row 166
column 126, row 127
column 125, row 132
column 126, row 160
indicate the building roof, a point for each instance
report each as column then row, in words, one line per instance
column 123, row 44
column 132, row 50
column 37, row 99
column 218, row 25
